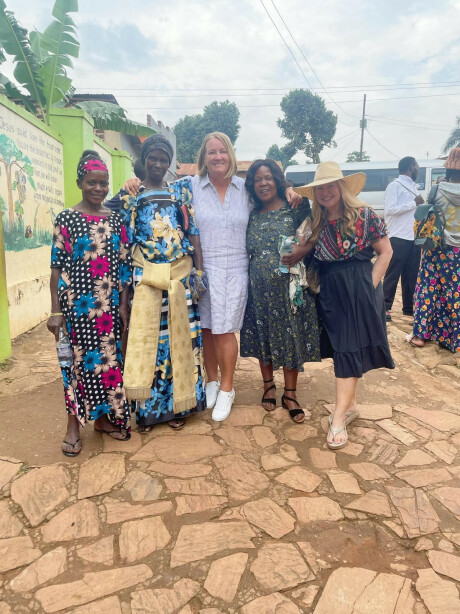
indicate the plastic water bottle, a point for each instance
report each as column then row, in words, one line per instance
column 64, row 350
column 285, row 248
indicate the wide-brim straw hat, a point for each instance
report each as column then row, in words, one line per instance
column 453, row 160
column 327, row 172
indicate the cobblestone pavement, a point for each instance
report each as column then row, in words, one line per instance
column 253, row 515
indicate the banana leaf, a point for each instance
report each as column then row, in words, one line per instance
column 109, row 116
column 8, row 88
column 14, row 40
column 60, row 42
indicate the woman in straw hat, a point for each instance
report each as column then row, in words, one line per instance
column 437, row 293
column 345, row 235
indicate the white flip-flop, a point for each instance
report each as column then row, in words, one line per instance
column 335, row 431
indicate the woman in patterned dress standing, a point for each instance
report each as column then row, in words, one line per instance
column 280, row 325
column 90, row 272
column 162, row 231
column 345, row 235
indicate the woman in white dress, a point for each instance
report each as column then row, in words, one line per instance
column 222, row 207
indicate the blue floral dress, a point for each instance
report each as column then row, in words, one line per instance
column 156, row 220
column 92, row 253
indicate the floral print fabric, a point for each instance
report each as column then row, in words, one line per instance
column 93, row 255
column 437, row 297
column 271, row 331
column 156, row 220
column 334, row 244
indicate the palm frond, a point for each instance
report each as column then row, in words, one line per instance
column 14, row 40
column 454, row 138
column 109, row 116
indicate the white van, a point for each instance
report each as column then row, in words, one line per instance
column 379, row 175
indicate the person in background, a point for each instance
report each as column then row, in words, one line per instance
column 164, row 356
column 401, row 200
column 90, row 273
column 280, row 326
column 437, row 293
column 115, row 203
column 222, row 208
column 345, row 235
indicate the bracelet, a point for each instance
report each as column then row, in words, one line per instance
column 58, row 313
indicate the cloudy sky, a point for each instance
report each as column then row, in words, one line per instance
column 171, row 58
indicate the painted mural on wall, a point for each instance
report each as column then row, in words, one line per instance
column 31, row 182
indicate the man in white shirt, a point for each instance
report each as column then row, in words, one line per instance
column 401, row 200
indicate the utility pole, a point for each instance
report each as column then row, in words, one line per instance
column 362, row 125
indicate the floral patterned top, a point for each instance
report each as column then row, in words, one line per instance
column 159, row 221
column 333, row 244
column 92, row 253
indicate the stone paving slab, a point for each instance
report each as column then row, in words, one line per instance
column 251, row 516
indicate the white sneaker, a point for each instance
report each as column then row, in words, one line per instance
column 212, row 390
column 223, row 405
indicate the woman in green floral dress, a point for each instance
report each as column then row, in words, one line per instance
column 280, row 325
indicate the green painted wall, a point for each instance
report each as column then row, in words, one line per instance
column 74, row 128
column 76, row 132
column 122, row 168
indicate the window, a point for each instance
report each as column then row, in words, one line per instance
column 377, row 179
column 436, row 173
column 300, row 178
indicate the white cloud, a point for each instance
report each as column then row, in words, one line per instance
column 223, row 45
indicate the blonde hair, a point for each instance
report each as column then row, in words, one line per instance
column 350, row 211
column 201, row 157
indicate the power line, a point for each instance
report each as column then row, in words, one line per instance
column 355, row 133
column 287, row 46
column 408, row 124
column 309, row 64
column 382, row 146
column 224, row 94
column 345, row 88
column 259, row 106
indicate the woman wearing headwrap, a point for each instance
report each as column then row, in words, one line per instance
column 90, row 273
column 164, row 358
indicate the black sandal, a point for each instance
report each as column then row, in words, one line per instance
column 126, row 434
column 270, row 400
column 72, row 445
column 297, row 411
column 144, row 428
column 176, row 424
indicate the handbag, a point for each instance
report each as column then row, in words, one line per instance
column 429, row 224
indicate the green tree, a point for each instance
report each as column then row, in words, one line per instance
column 41, row 61
column 11, row 157
column 353, row 156
column 454, row 138
column 282, row 154
column 191, row 129
column 307, row 123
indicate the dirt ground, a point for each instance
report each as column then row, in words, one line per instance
column 258, row 456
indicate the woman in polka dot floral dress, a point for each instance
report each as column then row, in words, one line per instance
column 90, row 274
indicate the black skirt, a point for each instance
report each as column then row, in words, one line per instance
column 352, row 313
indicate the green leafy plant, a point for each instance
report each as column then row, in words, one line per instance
column 41, row 61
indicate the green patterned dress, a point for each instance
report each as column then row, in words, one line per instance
column 271, row 332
